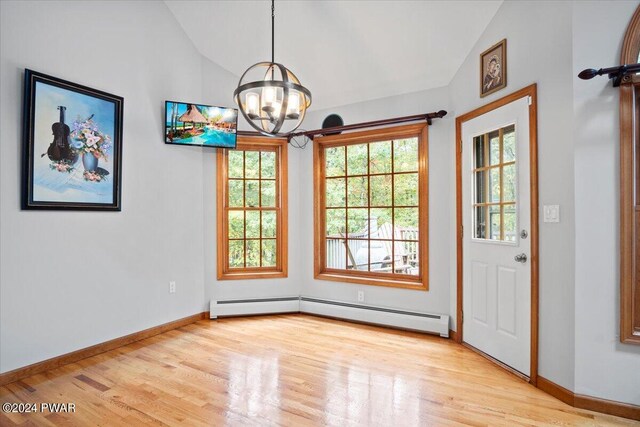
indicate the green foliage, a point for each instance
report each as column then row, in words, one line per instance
column 236, row 224
column 236, row 253
column 269, row 253
column 252, row 193
column 236, row 193
column 334, row 161
column 381, row 190
column 268, row 164
column 405, row 155
column 268, row 189
column 252, row 164
column 268, row 224
column 335, row 222
column 405, row 188
column 253, row 253
column 236, row 164
column 252, row 224
column 509, row 183
column 357, row 191
column 335, row 192
column 357, row 220
column 357, row 159
column 380, row 157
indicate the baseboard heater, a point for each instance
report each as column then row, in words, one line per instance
column 423, row 322
column 244, row 307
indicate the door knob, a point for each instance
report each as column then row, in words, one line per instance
column 521, row 258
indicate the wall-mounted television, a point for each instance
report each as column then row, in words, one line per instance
column 201, row 125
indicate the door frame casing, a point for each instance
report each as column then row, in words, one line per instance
column 529, row 91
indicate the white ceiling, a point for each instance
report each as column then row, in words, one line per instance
column 343, row 51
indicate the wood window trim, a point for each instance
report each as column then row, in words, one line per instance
column 224, row 272
column 629, row 202
column 420, row 282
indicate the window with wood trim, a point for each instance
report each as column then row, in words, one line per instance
column 252, row 209
column 371, row 207
column 630, row 189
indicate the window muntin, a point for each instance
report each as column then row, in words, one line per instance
column 371, row 210
column 252, row 209
column 495, row 185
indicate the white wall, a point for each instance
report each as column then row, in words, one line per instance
column 604, row 367
column 73, row 279
column 437, row 299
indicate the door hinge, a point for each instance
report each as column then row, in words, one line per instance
column 530, row 100
column 460, row 146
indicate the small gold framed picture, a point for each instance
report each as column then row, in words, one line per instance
column 493, row 68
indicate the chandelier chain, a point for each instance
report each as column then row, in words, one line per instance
column 273, row 18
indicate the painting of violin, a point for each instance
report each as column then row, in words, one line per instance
column 60, row 149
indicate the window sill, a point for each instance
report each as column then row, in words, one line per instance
column 252, row 275
column 417, row 285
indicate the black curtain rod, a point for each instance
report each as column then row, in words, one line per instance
column 336, row 129
column 615, row 73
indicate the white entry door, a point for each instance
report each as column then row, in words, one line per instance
column 496, row 225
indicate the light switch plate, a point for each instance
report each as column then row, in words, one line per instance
column 551, row 213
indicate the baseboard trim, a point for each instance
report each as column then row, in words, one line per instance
column 590, row 403
column 75, row 356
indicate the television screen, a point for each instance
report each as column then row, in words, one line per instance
column 202, row 125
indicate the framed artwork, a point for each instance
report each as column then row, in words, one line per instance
column 493, row 68
column 72, row 145
column 200, row 125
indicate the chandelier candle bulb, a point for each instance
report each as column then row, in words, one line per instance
column 252, row 104
column 293, row 106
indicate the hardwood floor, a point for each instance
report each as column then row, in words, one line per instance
column 292, row 370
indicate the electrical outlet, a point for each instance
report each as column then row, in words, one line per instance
column 360, row 296
column 551, row 213
column 172, row 287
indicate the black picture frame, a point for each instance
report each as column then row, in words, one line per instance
column 169, row 141
column 73, row 183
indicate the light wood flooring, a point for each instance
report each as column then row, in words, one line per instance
column 293, row 370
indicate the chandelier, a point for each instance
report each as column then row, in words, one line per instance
column 270, row 96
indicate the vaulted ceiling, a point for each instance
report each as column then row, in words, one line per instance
column 343, row 51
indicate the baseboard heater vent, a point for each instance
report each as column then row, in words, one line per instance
column 423, row 322
column 243, row 307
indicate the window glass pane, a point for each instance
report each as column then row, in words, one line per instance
column 481, row 186
column 380, row 222
column 494, row 222
column 380, row 157
column 334, row 161
column 509, row 183
column 269, row 253
column 236, row 224
column 336, row 255
column 268, row 164
column 357, row 219
column 335, row 192
column 406, row 223
column 480, row 220
column 336, row 222
column 494, row 147
column 380, row 190
column 357, row 191
column 236, row 164
column 268, row 190
column 478, row 151
column 405, row 253
column 236, row 193
column 509, row 144
column 358, row 258
column 405, row 155
column 252, row 193
column 252, row 167
column 252, row 224
column 269, row 224
column 380, row 256
column 494, row 184
column 253, row 253
column 405, row 187
column 510, row 226
column 236, row 253
column 357, row 159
